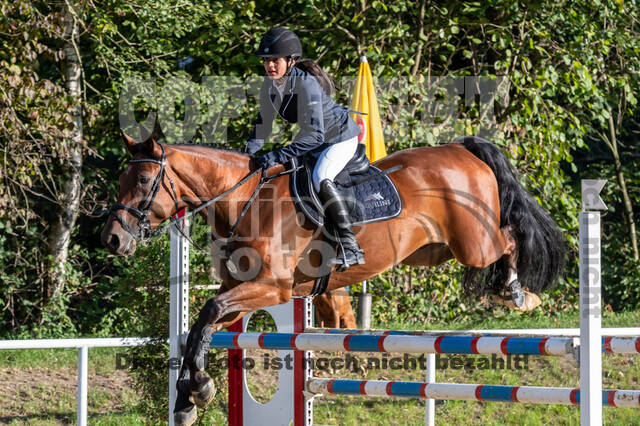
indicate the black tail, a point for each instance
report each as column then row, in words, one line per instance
column 541, row 244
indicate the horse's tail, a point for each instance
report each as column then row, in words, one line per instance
column 541, row 244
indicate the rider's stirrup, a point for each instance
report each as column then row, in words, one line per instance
column 347, row 256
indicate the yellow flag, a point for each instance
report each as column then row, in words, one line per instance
column 364, row 100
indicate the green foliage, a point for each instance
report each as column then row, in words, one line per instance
column 557, row 65
column 564, row 78
column 35, row 122
column 419, row 295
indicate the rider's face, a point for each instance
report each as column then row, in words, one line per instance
column 275, row 67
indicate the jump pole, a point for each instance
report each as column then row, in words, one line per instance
column 510, row 345
column 469, row 392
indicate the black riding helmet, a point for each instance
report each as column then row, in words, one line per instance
column 279, row 42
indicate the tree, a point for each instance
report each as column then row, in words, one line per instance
column 68, row 198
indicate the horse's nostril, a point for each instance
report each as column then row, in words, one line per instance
column 114, row 242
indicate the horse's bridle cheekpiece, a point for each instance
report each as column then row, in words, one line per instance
column 144, row 207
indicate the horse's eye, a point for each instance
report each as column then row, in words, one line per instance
column 143, row 180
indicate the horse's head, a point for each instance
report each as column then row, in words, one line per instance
column 147, row 196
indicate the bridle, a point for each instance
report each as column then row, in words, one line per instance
column 144, row 207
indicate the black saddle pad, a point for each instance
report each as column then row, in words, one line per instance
column 373, row 200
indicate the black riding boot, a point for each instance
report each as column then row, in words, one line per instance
column 336, row 210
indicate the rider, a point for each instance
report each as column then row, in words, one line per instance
column 299, row 92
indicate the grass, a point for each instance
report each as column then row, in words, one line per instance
column 38, row 387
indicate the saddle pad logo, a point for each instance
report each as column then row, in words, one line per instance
column 376, row 200
column 376, row 196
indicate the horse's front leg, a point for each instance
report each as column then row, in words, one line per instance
column 195, row 386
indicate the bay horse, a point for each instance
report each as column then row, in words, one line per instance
column 461, row 200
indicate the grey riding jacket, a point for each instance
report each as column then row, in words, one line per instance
column 322, row 122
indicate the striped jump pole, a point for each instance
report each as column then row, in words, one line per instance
column 610, row 344
column 468, row 392
column 621, row 345
column 552, row 346
column 522, row 332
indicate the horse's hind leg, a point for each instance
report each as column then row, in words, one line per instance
column 194, row 385
column 513, row 295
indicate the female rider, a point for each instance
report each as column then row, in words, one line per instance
column 299, row 92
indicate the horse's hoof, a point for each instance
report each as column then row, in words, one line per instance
column 185, row 417
column 531, row 301
column 204, row 394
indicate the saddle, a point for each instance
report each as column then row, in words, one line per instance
column 369, row 193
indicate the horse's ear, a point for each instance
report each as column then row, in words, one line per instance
column 131, row 144
column 157, row 134
column 152, row 148
column 151, row 145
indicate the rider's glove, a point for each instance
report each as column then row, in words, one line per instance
column 267, row 160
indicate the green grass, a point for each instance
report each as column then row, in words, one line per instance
column 42, row 386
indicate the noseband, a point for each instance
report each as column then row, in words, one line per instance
column 144, row 207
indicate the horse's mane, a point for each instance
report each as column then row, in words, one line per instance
column 209, row 147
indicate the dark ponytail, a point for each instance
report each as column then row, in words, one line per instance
column 310, row 66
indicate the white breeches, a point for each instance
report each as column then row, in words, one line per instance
column 332, row 160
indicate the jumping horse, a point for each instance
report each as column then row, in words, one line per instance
column 461, row 200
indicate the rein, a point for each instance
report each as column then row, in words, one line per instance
column 263, row 180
